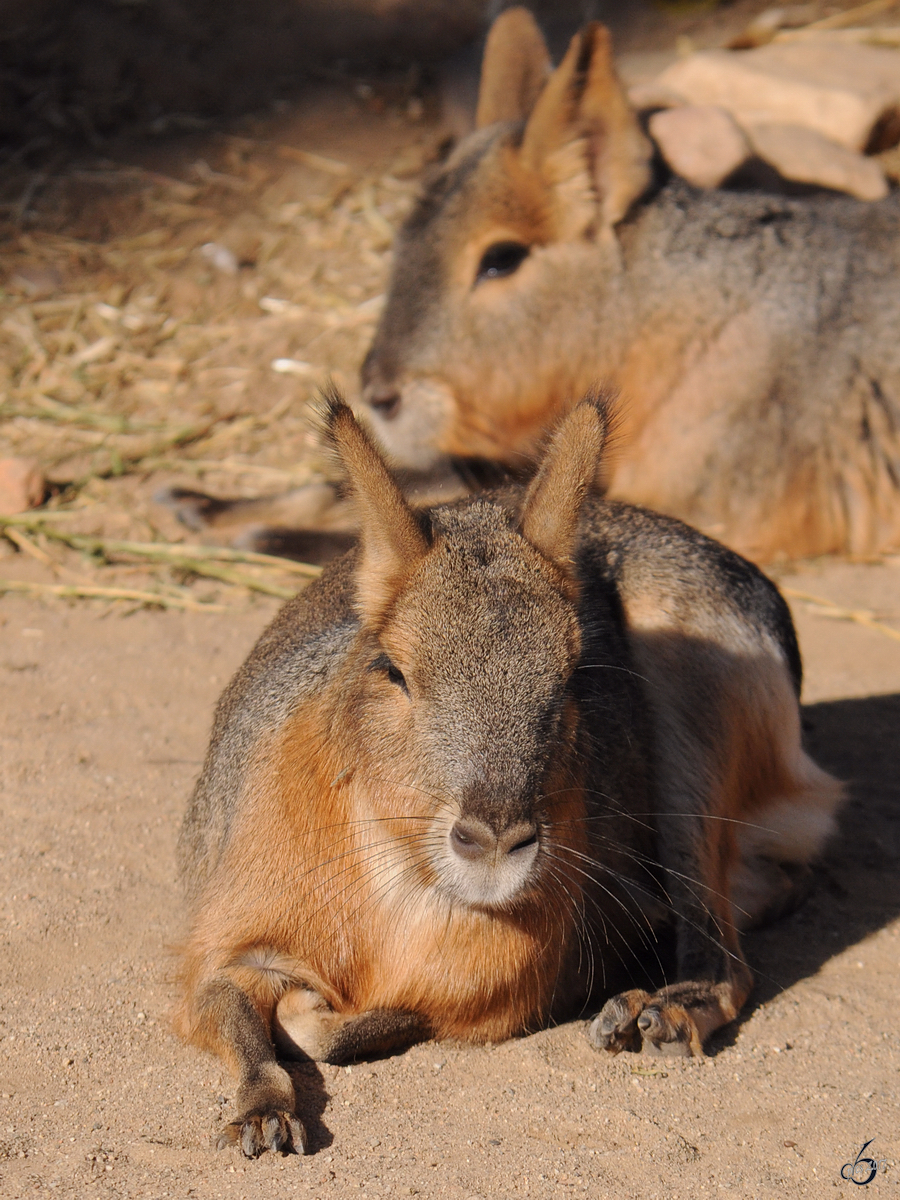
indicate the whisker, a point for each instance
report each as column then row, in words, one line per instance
column 612, row 944
column 678, row 913
column 597, row 883
column 292, row 880
column 689, row 881
column 604, row 666
column 581, row 929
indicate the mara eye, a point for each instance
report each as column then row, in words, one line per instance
column 503, row 258
column 383, row 663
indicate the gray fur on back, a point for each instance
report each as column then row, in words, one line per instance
column 828, row 265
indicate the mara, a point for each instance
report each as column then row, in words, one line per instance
column 754, row 340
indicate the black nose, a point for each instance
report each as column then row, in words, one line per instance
column 473, row 839
column 385, row 400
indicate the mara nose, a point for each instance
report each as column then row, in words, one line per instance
column 473, row 839
column 384, row 399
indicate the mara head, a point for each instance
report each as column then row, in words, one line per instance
column 457, row 704
column 497, row 268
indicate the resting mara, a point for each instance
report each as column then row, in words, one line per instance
column 463, row 775
column 754, row 340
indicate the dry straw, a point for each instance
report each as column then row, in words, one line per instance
column 827, row 608
column 208, row 561
column 149, row 347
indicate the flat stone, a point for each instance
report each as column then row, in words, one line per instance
column 840, row 91
column 37, row 280
column 652, row 94
column 889, row 161
column 806, row 157
column 22, row 485
column 765, row 26
column 701, row 143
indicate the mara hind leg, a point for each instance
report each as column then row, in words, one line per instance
column 781, row 838
column 742, row 811
column 306, row 1026
column 314, row 523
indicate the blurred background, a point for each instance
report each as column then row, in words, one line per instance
column 198, row 200
column 88, row 68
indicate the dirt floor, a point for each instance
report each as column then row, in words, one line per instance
column 104, row 723
column 147, row 296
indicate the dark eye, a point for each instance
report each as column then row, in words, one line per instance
column 503, row 258
column 384, row 664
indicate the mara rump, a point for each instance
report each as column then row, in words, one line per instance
column 754, row 339
column 463, row 777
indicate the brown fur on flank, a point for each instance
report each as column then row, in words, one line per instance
column 754, row 339
column 463, row 775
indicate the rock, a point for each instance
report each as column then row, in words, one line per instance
column 22, row 485
column 865, row 35
column 837, row 90
column 649, row 95
column 220, row 257
column 807, row 157
column 766, row 25
column 889, row 162
column 37, row 280
column 700, row 143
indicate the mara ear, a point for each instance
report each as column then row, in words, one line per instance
column 391, row 540
column 549, row 519
column 514, row 69
column 584, row 139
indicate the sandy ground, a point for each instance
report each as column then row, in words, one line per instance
column 115, row 313
column 104, row 722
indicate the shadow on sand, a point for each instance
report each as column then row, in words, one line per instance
column 857, row 887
